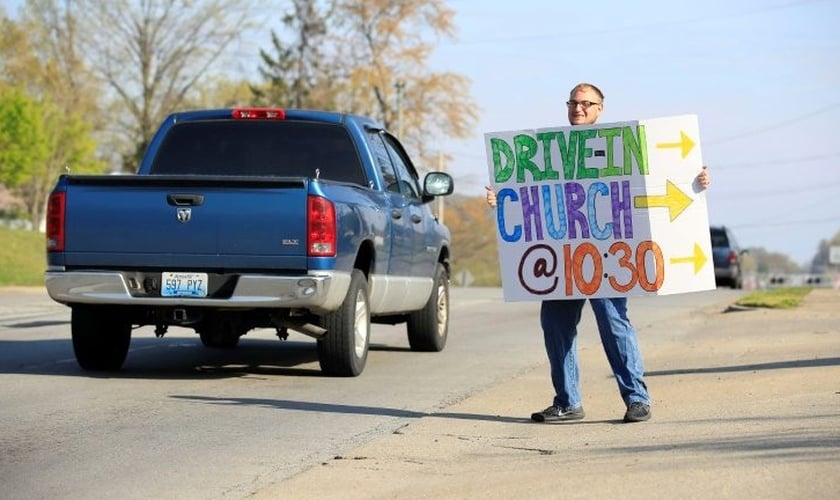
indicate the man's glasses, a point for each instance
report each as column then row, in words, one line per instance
column 583, row 104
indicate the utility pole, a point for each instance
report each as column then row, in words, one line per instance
column 399, row 85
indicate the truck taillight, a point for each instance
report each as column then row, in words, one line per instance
column 320, row 227
column 55, row 222
column 259, row 114
column 733, row 257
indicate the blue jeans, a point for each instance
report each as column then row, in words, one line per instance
column 559, row 320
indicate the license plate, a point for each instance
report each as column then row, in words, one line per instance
column 183, row 285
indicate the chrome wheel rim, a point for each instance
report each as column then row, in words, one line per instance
column 362, row 325
column 442, row 309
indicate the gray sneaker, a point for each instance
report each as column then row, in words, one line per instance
column 637, row 412
column 555, row 414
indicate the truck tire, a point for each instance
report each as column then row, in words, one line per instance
column 429, row 327
column 343, row 350
column 100, row 338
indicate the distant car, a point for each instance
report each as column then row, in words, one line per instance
column 726, row 255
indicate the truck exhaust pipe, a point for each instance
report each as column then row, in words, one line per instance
column 300, row 325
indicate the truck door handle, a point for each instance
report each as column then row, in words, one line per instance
column 183, row 200
column 396, row 214
column 416, row 219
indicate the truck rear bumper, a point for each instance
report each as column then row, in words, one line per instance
column 320, row 292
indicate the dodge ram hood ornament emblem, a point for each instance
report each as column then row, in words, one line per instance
column 184, row 215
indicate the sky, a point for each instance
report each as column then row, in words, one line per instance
column 761, row 76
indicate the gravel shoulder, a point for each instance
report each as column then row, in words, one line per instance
column 746, row 405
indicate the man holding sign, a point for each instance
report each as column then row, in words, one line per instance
column 559, row 317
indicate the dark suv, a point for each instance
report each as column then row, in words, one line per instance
column 727, row 257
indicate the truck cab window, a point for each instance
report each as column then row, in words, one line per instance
column 407, row 175
column 260, row 148
column 383, row 162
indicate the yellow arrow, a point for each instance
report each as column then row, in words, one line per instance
column 699, row 259
column 685, row 144
column 674, row 199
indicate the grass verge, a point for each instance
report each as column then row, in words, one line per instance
column 22, row 257
column 775, row 298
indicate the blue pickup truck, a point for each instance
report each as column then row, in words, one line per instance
column 310, row 221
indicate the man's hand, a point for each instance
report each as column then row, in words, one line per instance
column 703, row 178
column 491, row 196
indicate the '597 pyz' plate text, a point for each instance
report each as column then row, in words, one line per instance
column 183, row 284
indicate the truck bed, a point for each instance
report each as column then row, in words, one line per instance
column 163, row 221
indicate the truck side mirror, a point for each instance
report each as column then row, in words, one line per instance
column 438, row 184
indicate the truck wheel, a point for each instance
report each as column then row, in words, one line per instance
column 343, row 349
column 100, row 338
column 429, row 327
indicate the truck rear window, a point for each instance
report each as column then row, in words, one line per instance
column 259, row 148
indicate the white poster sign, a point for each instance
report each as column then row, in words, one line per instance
column 601, row 210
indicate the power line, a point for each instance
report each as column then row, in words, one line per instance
column 626, row 29
column 787, row 190
column 787, row 161
column 782, row 124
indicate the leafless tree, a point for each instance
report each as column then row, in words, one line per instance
column 152, row 53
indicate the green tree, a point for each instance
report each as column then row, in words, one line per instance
column 72, row 150
column 39, row 142
column 151, row 54
column 23, row 144
column 299, row 73
column 51, row 106
column 62, row 72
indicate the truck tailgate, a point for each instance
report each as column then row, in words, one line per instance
column 169, row 221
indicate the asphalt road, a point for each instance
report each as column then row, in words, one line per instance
column 182, row 421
